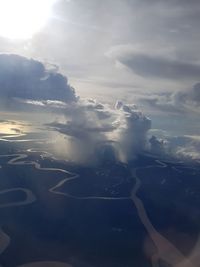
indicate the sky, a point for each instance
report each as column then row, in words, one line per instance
column 143, row 53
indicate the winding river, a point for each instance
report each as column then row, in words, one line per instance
column 165, row 250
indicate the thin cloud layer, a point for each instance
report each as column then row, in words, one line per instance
column 181, row 147
column 154, row 65
column 181, row 102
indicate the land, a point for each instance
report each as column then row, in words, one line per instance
column 145, row 213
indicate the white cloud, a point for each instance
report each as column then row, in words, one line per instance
column 184, row 147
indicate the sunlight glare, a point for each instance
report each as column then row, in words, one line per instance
column 21, row 19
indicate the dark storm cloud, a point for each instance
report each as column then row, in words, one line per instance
column 29, row 79
column 159, row 67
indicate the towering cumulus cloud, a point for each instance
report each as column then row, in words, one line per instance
column 132, row 130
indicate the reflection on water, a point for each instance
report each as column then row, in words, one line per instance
column 12, row 127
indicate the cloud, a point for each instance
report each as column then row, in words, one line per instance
column 132, row 130
column 174, row 2
column 46, row 106
column 154, row 65
column 185, row 147
column 180, row 102
column 86, row 127
column 163, row 103
column 189, row 97
column 29, row 79
column 157, row 145
column 93, row 129
column 89, row 126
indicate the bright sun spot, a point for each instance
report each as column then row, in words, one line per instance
column 21, row 19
